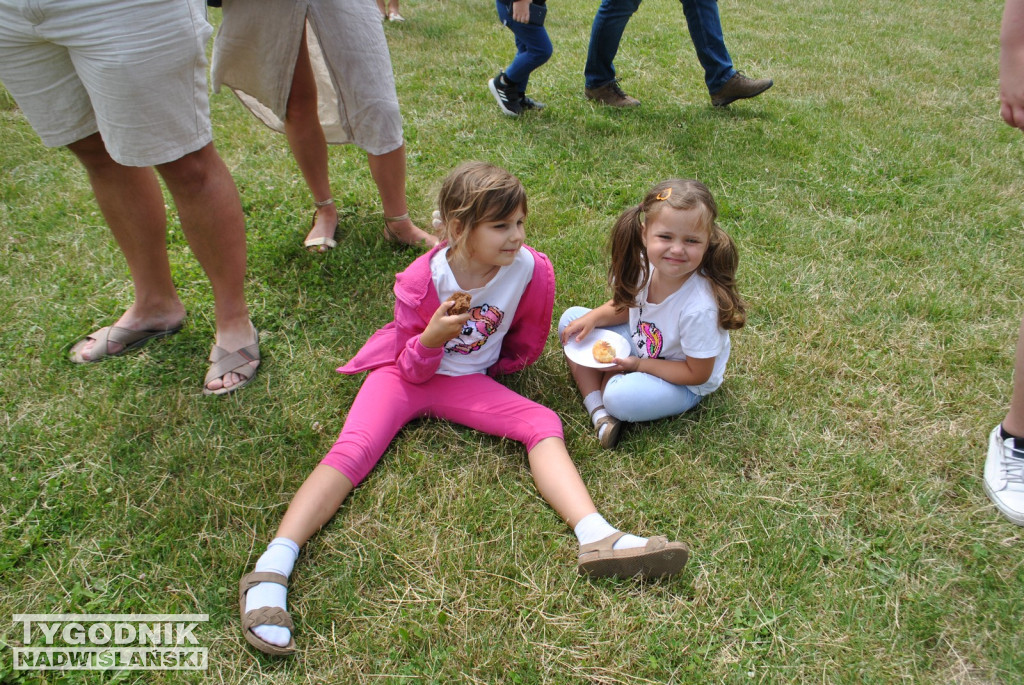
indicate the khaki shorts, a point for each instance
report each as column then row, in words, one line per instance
column 134, row 70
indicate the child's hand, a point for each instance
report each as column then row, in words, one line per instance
column 578, row 329
column 521, row 11
column 627, row 365
column 442, row 327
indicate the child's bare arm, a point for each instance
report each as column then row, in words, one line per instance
column 605, row 315
column 690, row 371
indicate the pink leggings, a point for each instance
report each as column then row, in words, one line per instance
column 386, row 402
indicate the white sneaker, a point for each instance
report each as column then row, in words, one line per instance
column 1004, row 477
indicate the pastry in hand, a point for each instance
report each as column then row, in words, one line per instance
column 460, row 303
column 604, row 352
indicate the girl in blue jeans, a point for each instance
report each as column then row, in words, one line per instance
column 533, row 48
column 673, row 278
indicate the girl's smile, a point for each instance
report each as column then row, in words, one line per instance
column 676, row 240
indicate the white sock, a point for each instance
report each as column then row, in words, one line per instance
column 593, row 527
column 279, row 558
column 591, row 403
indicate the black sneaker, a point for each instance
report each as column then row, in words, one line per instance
column 526, row 102
column 506, row 95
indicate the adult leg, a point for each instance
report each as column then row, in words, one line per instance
column 1004, row 465
column 705, row 26
column 308, row 144
column 1014, row 421
column 724, row 83
column 388, row 171
column 212, row 220
column 605, row 35
column 132, row 204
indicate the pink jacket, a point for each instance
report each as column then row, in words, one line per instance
column 416, row 300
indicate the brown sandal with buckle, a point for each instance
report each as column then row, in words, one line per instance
column 657, row 559
column 610, row 438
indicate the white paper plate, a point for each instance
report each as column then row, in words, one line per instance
column 582, row 352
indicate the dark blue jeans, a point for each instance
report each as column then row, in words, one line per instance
column 533, row 47
column 705, row 31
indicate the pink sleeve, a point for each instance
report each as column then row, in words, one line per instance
column 526, row 338
column 416, row 363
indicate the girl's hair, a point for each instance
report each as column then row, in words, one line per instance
column 475, row 192
column 629, row 271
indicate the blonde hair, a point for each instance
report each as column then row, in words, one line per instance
column 629, row 270
column 475, row 192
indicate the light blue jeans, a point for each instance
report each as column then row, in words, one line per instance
column 637, row 396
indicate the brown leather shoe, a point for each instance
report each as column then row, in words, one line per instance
column 739, row 87
column 610, row 94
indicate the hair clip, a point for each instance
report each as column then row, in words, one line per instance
column 664, row 195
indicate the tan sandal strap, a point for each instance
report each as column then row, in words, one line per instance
column 596, row 409
column 324, row 203
column 393, row 219
column 257, row 577
column 603, row 547
column 225, row 362
column 267, row 616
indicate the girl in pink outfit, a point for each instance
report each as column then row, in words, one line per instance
column 429, row 363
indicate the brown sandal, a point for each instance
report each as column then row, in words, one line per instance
column 264, row 616
column 656, row 559
column 223, row 362
column 611, row 435
column 115, row 334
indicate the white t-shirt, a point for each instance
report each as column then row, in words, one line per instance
column 491, row 312
column 684, row 324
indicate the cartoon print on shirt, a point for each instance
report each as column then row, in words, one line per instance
column 648, row 339
column 483, row 323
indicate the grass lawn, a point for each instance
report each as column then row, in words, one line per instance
column 830, row 491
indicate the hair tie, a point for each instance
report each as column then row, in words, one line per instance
column 664, row 195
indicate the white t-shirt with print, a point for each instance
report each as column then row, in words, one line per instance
column 491, row 312
column 684, row 324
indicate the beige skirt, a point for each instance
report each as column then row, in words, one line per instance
column 255, row 52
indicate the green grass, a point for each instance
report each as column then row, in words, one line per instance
column 830, row 491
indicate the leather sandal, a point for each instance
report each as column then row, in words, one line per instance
column 610, row 437
column 323, row 243
column 427, row 242
column 264, row 616
column 131, row 340
column 223, row 362
column 657, row 559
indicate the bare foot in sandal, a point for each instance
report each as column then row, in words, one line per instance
column 234, row 359
column 325, row 224
column 401, row 229
column 131, row 331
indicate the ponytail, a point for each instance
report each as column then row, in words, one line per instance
column 719, row 267
column 629, row 269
